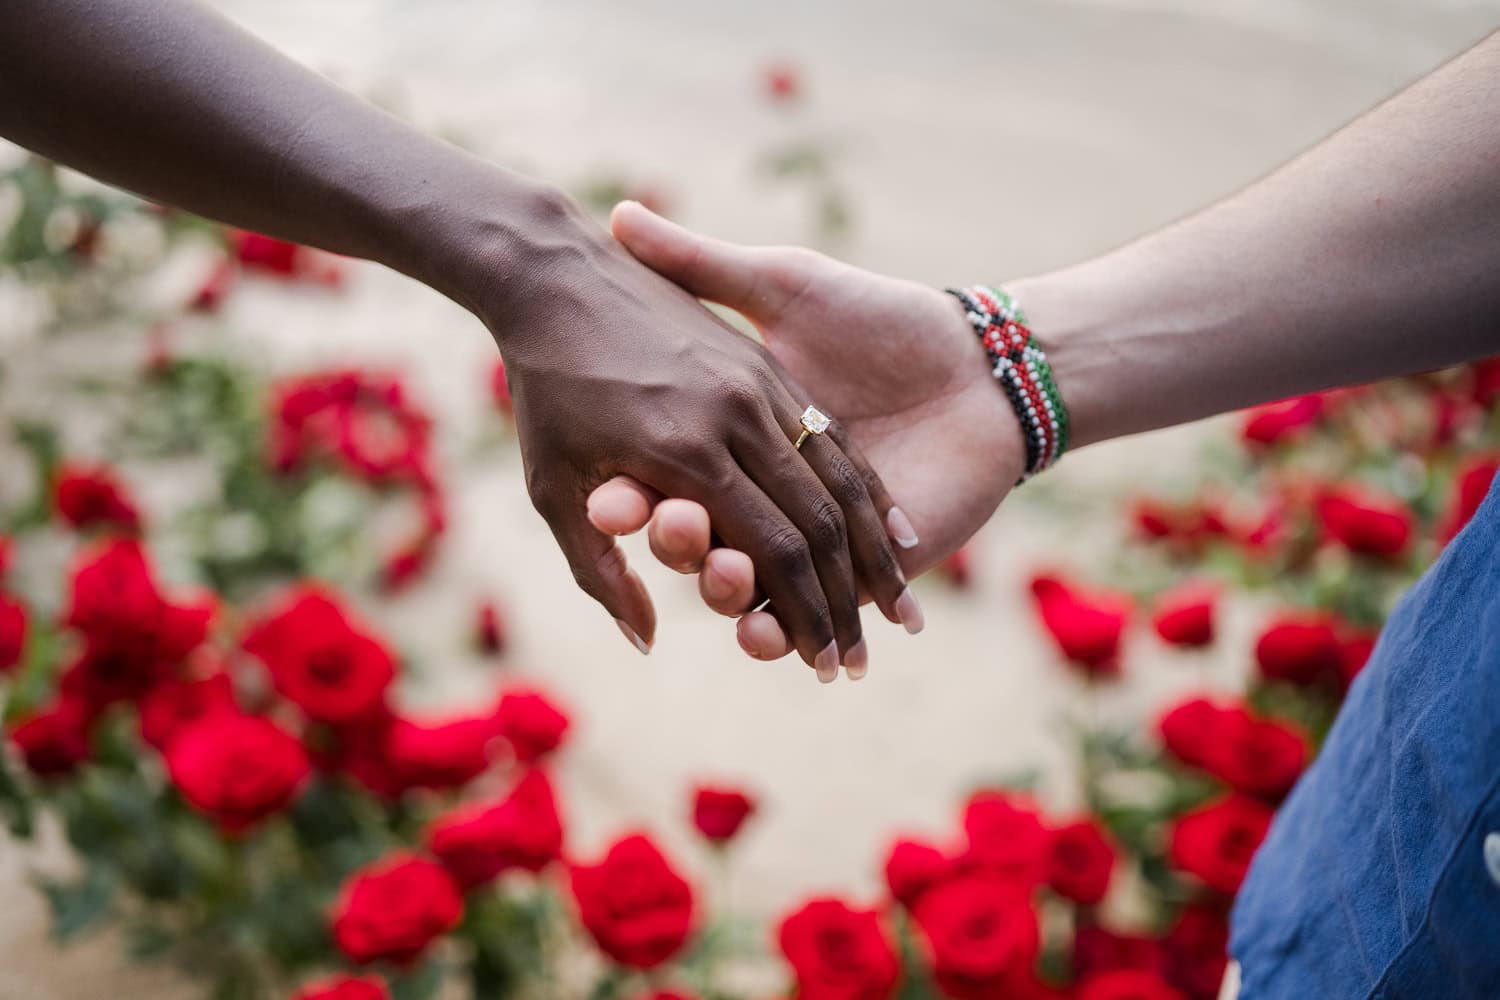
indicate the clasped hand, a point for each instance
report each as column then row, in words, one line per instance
column 897, row 366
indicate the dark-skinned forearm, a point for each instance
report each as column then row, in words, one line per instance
column 169, row 99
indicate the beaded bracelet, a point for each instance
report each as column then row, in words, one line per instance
column 1023, row 371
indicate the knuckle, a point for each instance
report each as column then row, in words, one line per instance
column 888, row 566
column 689, row 465
column 800, row 259
column 611, row 564
column 787, row 552
column 846, row 484
column 826, row 526
column 743, row 396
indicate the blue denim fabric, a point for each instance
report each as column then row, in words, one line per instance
column 1381, row 875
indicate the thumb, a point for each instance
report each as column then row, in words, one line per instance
column 739, row 277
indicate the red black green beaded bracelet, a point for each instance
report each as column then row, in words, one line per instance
column 1021, row 367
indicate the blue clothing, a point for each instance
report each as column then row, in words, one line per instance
column 1380, row 878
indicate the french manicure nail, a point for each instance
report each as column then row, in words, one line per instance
column 909, row 612
column 899, row 525
column 827, row 675
column 857, row 661
column 635, row 640
column 827, row 658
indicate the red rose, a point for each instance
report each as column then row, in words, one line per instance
column 477, row 843
column 532, row 724
column 91, row 497
column 216, row 286
column 362, row 420
column 912, row 867
column 958, row 568
column 1486, row 376
column 278, row 258
column 386, row 439
column 1154, row 518
column 1185, row 615
column 981, row 935
column 1081, row 862
column 1194, row 951
column 400, row 755
column 1189, row 730
column 1128, row 984
column 393, row 909
column 53, row 741
column 100, row 677
column 666, row 995
column 266, row 253
column 406, row 565
column 1262, row 534
column 304, row 414
column 490, row 633
column 1097, row 950
column 1262, row 757
column 320, row 660
column 1449, row 415
column 1216, row 842
column 1006, row 838
column 169, row 708
column 638, row 910
column 1366, row 522
column 719, row 812
column 237, row 769
column 1354, row 653
column 1471, row 485
column 1301, row 648
column 1275, row 422
column 1086, row 626
column 345, row 988
column 118, row 607
column 838, row 953
column 783, row 82
column 7, row 553
column 500, row 389
column 12, row 633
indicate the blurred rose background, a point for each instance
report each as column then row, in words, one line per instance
column 948, row 142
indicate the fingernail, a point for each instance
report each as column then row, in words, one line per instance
column 826, row 663
column 635, row 640
column 909, row 612
column 899, row 525
column 857, row 661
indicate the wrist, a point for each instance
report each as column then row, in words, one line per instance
column 1073, row 322
column 493, row 242
column 1022, row 372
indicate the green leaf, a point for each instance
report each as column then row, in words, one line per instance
column 609, row 986
column 15, row 804
column 78, row 906
column 420, row 983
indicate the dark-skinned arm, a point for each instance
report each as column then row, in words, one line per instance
column 613, row 369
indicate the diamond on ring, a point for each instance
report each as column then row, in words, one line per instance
column 815, row 420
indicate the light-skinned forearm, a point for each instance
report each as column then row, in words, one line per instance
column 1375, row 254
